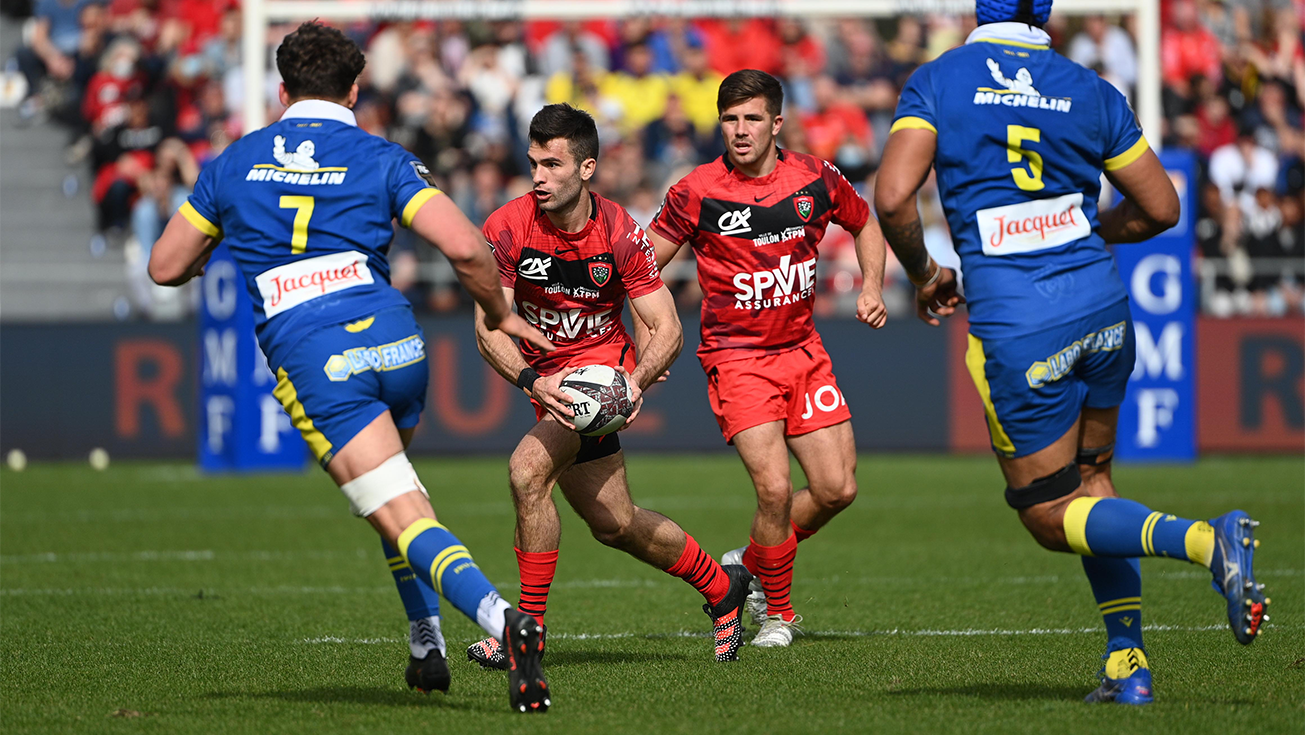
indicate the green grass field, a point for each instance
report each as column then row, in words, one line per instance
column 258, row 604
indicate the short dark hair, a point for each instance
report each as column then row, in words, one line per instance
column 746, row 84
column 565, row 121
column 319, row 61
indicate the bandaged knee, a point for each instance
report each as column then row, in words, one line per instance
column 371, row 490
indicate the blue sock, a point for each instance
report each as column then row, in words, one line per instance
column 419, row 600
column 440, row 560
column 1115, row 527
column 1117, row 586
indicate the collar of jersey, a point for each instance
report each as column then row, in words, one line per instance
column 320, row 110
column 1011, row 34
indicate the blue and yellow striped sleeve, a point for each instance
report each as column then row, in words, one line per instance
column 915, row 106
column 201, row 208
column 1124, row 142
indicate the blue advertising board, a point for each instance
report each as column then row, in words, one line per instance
column 1157, row 421
column 242, row 426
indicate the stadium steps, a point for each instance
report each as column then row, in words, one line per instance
column 47, row 269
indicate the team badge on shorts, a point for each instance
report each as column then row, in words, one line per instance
column 804, row 205
column 600, row 273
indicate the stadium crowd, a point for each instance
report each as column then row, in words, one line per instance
column 151, row 91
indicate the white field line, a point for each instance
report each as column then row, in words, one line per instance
column 926, row 633
column 118, row 557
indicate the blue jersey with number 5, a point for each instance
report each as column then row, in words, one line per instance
column 306, row 207
column 1023, row 135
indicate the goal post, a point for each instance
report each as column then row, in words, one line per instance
column 258, row 14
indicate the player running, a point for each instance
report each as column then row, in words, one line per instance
column 569, row 259
column 306, row 205
column 754, row 218
column 1019, row 137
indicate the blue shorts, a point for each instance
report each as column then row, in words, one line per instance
column 1034, row 386
column 336, row 380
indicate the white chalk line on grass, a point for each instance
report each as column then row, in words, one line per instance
column 118, row 557
column 926, row 633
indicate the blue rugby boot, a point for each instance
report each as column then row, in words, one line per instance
column 1125, row 679
column 1234, row 551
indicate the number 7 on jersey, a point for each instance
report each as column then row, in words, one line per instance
column 303, row 207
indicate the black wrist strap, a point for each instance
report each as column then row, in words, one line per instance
column 526, row 379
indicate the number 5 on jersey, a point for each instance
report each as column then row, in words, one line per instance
column 1030, row 180
column 303, row 207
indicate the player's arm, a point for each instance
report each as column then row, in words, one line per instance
column 442, row 224
column 182, row 251
column 1150, row 206
column 502, row 354
column 665, row 249
column 665, row 339
column 870, row 255
column 907, row 158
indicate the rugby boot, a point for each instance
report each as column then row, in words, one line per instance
column 489, row 654
column 1125, row 679
column 725, row 616
column 1234, row 551
column 523, row 638
column 428, row 674
column 777, row 632
column 755, row 605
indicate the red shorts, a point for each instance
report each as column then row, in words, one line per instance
column 796, row 387
column 613, row 355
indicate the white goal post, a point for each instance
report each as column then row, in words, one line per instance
column 258, row 14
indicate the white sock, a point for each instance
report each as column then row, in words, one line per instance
column 490, row 615
column 425, row 634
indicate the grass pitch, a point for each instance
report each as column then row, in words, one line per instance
column 148, row 598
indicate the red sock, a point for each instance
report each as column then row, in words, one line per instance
column 537, row 568
column 802, row 534
column 700, row 570
column 774, row 568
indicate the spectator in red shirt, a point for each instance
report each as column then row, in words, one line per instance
column 104, row 104
column 838, row 131
column 1215, row 124
column 1188, row 48
column 742, row 44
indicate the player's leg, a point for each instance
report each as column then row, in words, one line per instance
column 597, row 488
column 828, row 459
column 539, row 459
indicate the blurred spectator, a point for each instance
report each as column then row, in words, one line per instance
column 639, row 90
column 837, row 131
column 741, row 44
column 1216, row 128
column 696, row 86
column 570, row 39
column 56, row 35
column 1242, row 168
column 1188, row 48
column 1109, row 46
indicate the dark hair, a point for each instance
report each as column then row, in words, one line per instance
column 319, row 61
column 565, row 121
column 747, row 84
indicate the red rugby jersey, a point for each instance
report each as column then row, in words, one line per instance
column 571, row 285
column 755, row 240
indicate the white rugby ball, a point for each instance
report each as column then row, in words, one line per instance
column 600, row 398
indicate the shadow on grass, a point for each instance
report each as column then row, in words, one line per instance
column 370, row 696
column 1013, row 691
column 556, row 659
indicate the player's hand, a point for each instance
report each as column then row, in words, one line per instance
column 870, row 307
column 547, row 392
column 938, row 299
column 636, row 397
column 663, row 377
column 514, row 326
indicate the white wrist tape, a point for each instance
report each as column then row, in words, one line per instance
column 371, row 490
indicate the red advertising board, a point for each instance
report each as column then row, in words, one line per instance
column 1250, row 389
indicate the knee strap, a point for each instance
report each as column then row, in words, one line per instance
column 1044, row 489
column 1093, row 456
column 371, row 490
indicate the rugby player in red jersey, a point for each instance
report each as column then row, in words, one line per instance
column 754, row 218
column 569, row 259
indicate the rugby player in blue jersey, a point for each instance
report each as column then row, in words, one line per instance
column 306, row 207
column 1019, row 137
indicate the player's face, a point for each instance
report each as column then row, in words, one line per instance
column 749, row 131
column 557, row 176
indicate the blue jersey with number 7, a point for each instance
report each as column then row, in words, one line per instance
column 306, row 206
column 1023, row 135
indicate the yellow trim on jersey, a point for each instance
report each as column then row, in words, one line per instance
column 285, row 393
column 360, row 325
column 415, row 203
column 1114, row 163
column 300, row 170
column 912, row 123
column 1021, row 44
column 975, row 360
column 198, row 220
column 418, row 527
column 1076, row 516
